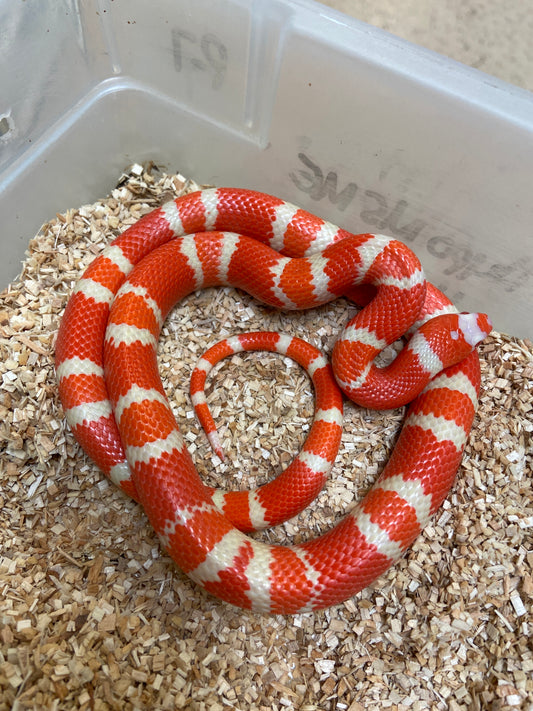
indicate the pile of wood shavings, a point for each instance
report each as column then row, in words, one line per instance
column 94, row 616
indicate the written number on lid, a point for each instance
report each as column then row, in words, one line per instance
column 203, row 53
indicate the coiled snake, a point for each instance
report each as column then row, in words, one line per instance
column 117, row 409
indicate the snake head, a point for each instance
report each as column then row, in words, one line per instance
column 474, row 328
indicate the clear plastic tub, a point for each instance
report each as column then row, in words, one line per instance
column 284, row 96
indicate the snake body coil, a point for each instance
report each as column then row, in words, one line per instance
column 116, row 406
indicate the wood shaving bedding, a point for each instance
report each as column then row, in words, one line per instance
column 94, row 616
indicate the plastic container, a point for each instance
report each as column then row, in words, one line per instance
column 288, row 97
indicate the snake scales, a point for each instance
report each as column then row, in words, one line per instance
column 116, row 406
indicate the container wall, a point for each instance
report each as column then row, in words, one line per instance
column 289, row 97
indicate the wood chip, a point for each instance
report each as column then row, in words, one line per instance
column 94, row 616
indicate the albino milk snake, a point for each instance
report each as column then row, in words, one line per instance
column 117, row 409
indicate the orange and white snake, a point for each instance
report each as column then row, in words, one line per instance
column 116, row 406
